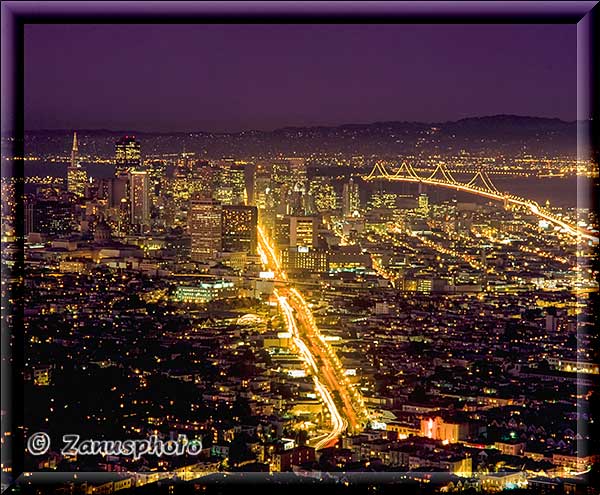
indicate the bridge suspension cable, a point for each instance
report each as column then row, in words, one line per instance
column 382, row 172
column 410, row 172
column 488, row 182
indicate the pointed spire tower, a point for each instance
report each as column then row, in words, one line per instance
column 76, row 174
column 75, row 152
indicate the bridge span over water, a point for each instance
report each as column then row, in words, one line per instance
column 481, row 185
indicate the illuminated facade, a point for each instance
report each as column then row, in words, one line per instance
column 438, row 429
column 302, row 231
column 203, row 181
column 76, row 174
column 139, row 200
column 304, row 259
column 76, row 181
column 232, row 185
column 205, row 228
column 383, row 199
column 322, row 194
column 204, row 292
column 239, row 225
column 127, row 154
column 75, row 152
column 350, row 198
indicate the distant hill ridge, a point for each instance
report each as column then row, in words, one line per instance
column 506, row 135
column 494, row 120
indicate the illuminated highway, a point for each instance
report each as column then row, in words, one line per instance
column 338, row 424
column 331, row 369
column 348, row 411
column 407, row 174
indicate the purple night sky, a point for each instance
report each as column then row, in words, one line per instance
column 234, row 77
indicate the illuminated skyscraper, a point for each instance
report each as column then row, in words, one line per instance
column 237, row 179
column 76, row 174
column 298, row 174
column 239, row 228
column 75, row 151
column 302, row 231
column 322, row 194
column 250, row 177
column 205, row 228
column 204, row 180
column 281, row 172
column 139, row 200
column 127, row 154
column 281, row 231
column 350, row 198
column 231, row 189
column 157, row 171
column 382, row 198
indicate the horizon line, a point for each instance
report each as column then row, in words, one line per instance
column 313, row 126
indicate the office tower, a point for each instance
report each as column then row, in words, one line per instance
column 249, row 175
column 281, row 231
column 350, row 198
column 231, row 188
column 381, row 198
column 322, row 194
column 119, row 189
column 75, row 151
column 157, row 170
column 298, row 173
column 263, row 194
column 203, row 181
column 127, row 154
column 239, row 225
column 297, row 200
column 302, row 231
column 424, row 203
column 281, row 171
column 139, row 200
column 205, row 228
column 293, row 202
column 237, row 181
column 76, row 174
column 113, row 190
column 302, row 259
column 103, row 189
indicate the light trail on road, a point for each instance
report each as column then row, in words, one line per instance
column 312, row 345
column 338, row 424
column 332, row 370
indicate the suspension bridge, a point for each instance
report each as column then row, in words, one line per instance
column 481, row 185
